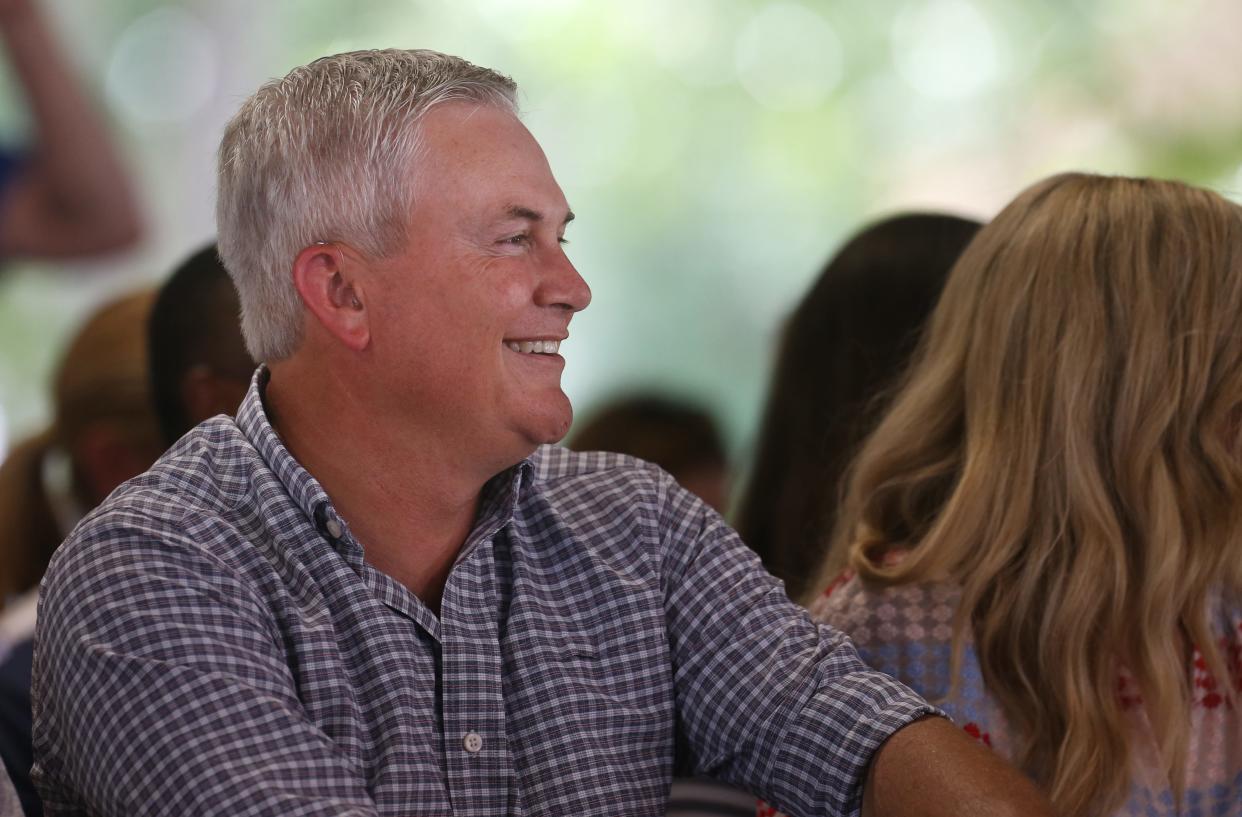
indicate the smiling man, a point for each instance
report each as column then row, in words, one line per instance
column 379, row 591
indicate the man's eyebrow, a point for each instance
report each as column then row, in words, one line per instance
column 527, row 214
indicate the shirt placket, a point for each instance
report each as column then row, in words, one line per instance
column 478, row 765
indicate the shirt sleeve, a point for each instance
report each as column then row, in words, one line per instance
column 160, row 688
column 767, row 699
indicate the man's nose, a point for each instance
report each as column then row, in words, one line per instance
column 562, row 285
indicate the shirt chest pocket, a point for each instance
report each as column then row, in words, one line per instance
column 613, row 675
column 588, row 709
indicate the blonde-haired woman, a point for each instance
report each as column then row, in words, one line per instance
column 1045, row 531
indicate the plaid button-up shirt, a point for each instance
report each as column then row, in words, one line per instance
column 212, row 641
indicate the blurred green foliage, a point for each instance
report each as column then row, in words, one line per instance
column 715, row 151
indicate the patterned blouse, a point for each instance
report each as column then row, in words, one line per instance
column 907, row 632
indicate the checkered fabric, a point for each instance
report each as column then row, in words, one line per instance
column 212, row 641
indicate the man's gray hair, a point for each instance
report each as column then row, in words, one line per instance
column 326, row 154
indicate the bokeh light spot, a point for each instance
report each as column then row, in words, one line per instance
column 945, row 49
column 1233, row 186
column 599, row 147
column 686, row 37
column 788, row 57
column 164, row 67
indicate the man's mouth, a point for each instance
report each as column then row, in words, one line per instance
column 534, row 347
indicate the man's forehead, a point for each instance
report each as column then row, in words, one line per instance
column 467, row 132
column 485, row 154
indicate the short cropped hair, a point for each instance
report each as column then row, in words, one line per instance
column 193, row 322
column 325, row 154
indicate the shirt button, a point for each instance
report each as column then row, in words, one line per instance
column 472, row 742
column 334, row 528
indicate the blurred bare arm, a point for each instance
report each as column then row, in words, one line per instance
column 72, row 196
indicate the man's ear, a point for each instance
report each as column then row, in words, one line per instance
column 326, row 278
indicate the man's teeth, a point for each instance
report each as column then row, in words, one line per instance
column 537, row 347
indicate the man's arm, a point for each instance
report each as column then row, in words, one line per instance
column 771, row 702
column 161, row 688
column 932, row 769
column 71, row 196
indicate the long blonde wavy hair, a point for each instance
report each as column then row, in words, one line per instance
column 1068, row 448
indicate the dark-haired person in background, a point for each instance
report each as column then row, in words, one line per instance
column 199, row 363
column 845, row 345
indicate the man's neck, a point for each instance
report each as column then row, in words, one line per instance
column 405, row 499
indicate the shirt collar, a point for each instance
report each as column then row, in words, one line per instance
column 304, row 489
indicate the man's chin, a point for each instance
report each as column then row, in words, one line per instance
column 554, row 425
column 555, row 432
column 527, row 441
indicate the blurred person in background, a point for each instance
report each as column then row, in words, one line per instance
column 103, row 433
column 1045, row 530
column 199, row 363
column 682, row 439
column 66, row 194
column 842, row 350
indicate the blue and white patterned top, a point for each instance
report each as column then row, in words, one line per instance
column 211, row 641
column 906, row 630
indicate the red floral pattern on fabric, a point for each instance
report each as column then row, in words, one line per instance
column 762, row 809
column 978, row 734
column 1207, row 691
column 841, row 579
column 1127, row 691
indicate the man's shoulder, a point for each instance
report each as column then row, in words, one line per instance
column 203, row 480
column 583, row 475
column 209, row 471
column 614, row 497
column 554, row 463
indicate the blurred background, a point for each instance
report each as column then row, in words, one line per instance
column 715, row 151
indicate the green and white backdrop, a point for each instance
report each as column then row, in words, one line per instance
column 715, row 151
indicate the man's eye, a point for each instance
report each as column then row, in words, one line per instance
column 562, row 240
column 517, row 240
